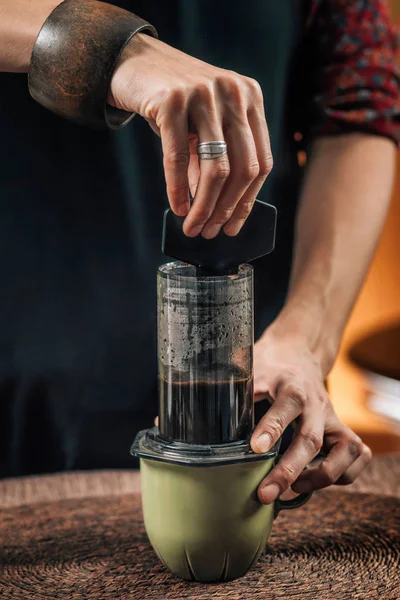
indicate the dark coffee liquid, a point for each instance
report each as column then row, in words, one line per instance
column 206, row 411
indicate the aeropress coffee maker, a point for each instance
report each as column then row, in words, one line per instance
column 199, row 475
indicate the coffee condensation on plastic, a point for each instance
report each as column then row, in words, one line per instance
column 204, row 316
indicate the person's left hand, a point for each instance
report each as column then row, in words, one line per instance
column 288, row 374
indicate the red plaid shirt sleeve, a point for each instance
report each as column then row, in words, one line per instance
column 351, row 79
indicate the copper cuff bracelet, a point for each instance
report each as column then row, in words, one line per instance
column 74, row 57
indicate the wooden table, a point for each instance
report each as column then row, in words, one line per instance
column 80, row 536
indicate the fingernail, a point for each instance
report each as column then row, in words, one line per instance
column 263, row 442
column 211, row 231
column 193, row 231
column 302, row 487
column 270, row 493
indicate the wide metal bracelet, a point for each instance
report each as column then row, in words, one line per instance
column 74, row 57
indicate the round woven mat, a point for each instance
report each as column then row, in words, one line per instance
column 339, row 546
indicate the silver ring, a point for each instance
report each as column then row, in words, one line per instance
column 209, row 150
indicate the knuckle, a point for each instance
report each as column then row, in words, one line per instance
column 176, row 190
column 312, row 440
column 327, row 475
column 275, row 427
column 223, row 214
column 204, row 90
column 245, row 208
column 177, row 158
column 355, row 446
column 233, row 80
column 220, row 171
column 250, row 171
column 266, row 165
column 177, row 97
column 297, row 395
column 288, row 474
column 232, row 84
column 254, row 87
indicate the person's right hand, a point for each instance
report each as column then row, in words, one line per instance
column 187, row 101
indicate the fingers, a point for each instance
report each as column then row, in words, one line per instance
column 356, row 468
column 260, row 133
column 231, row 109
column 293, row 400
column 318, row 426
column 346, row 458
column 175, row 145
column 213, row 175
column 172, row 91
column 244, row 171
column 306, row 445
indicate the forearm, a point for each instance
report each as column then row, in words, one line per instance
column 20, row 22
column 342, row 211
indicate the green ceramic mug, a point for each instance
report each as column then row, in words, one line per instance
column 206, row 523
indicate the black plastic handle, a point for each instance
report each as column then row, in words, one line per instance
column 222, row 254
column 292, row 503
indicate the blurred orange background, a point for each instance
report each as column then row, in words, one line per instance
column 378, row 306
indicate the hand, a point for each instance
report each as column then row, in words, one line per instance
column 286, row 372
column 187, row 101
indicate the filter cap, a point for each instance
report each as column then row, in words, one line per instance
column 222, row 254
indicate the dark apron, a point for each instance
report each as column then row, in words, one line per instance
column 80, row 223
